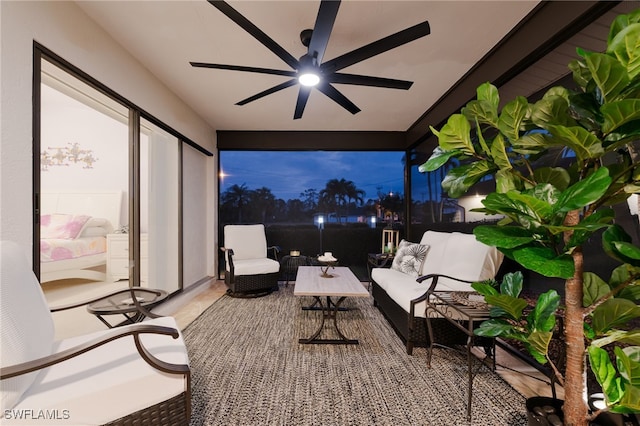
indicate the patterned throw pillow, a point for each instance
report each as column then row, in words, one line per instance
column 409, row 258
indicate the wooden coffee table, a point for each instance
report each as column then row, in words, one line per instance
column 341, row 284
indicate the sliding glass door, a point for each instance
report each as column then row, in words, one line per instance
column 107, row 191
column 159, row 208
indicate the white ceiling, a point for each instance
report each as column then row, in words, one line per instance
column 166, row 35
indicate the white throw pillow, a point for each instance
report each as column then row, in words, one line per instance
column 409, row 258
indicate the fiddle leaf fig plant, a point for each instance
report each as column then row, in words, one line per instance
column 551, row 208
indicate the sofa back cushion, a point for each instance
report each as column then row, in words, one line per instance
column 247, row 241
column 26, row 324
column 461, row 256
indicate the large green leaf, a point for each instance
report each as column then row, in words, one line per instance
column 613, row 234
column 585, row 191
column 630, row 401
column 552, row 110
column 499, row 153
column 630, row 252
column 438, row 159
column 631, row 337
column 594, row 288
column 613, row 313
column 456, row 134
column 604, row 372
column 538, row 208
column 502, row 236
column 539, row 341
column 628, row 360
column 581, row 74
column 512, row 116
column 453, row 182
column 618, row 113
column 512, row 306
column 621, row 22
column 482, row 111
column 585, row 108
column 484, row 289
column 493, row 328
column 626, row 48
column 488, row 92
column 556, row 176
column 512, row 284
column 544, row 261
column 507, row 181
column 609, row 75
column 458, row 181
column 531, row 143
column 542, row 317
column 589, row 225
column 584, row 143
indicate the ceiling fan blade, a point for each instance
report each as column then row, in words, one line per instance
column 365, row 80
column 256, row 32
column 377, row 47
column 242, row 68
column 303, row 97
column 264, row 93
column 322, row 28
column 338, row 97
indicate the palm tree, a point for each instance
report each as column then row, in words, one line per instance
column 236, row 197
column 354, row 194
column 264, row 202
column 310, row 199
column 337, row 194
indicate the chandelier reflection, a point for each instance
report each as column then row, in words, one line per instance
column 71, row 154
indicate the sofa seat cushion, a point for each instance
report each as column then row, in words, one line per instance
column 255, row 266
column 98, row 387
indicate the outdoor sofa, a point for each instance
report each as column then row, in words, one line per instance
column 400, row 291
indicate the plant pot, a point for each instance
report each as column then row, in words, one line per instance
column 540, row 410
column 544, row 411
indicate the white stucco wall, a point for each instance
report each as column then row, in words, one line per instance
column 68, row 32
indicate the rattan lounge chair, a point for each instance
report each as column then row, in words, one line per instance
column 134, row 374
column 249, row 271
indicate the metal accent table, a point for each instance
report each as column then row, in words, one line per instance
column 378, row 260
column 122, row 303
column 464, row 317
column 290, row 264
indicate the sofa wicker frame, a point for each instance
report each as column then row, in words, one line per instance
column 413, row 329
column 250, row 285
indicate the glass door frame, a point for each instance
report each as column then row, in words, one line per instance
column 135, row 115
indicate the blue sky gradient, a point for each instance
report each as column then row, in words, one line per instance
column 288, row 173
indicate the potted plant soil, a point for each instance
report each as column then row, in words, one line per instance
column 550, row 212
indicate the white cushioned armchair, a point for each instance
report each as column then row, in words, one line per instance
column 135, row 374
column 249, row 271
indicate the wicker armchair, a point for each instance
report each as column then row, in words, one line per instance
column 135, row 374
column 249, row 271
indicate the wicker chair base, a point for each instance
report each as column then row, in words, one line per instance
column 172, row 412
column 251, row 283
column 444, row 332
column 249, row 294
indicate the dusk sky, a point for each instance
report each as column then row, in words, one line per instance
column 289, row 173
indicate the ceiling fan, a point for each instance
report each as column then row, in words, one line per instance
column 309, row 71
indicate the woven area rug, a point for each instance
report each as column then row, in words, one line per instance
column 249, row 369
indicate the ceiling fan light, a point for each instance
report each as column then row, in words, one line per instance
column 309, row 79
